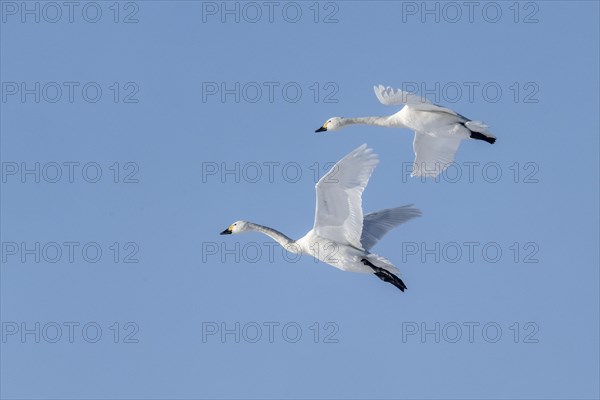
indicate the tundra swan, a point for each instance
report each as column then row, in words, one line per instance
column 341, row 235
column 438, row 130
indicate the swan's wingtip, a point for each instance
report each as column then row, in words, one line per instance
column 416, row 211
column 365, row 151
column 418, row 174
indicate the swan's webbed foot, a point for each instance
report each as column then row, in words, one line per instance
column 386, row 275
column 481, row 136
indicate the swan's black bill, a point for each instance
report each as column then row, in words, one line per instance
column 321, row 129
column 225, row 232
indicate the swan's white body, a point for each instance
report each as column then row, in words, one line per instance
column 341, row 236
column 438, row 130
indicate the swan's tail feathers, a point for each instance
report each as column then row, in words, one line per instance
column 479, row 131
column 385, row 275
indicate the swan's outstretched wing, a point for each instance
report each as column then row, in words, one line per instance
column 377, row 224
column 390, row 96
column 433, row 154
column 339, row 215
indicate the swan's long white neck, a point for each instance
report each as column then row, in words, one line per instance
column 279, row 237
column 386, row 121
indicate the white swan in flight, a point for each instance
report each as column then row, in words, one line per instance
column 341, row 235
column 438, row 130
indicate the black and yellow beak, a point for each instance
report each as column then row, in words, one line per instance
column 226, row 231
column 321, row 129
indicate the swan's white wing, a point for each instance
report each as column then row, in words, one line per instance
column 433, row 153
column 339, row 215
column 377, row 224
column 390, row 96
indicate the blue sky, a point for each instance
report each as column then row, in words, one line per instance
column 148, row 127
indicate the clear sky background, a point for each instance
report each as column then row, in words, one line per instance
column 534, row 73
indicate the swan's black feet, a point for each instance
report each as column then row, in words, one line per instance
column 481, row 136
column 385, row 275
